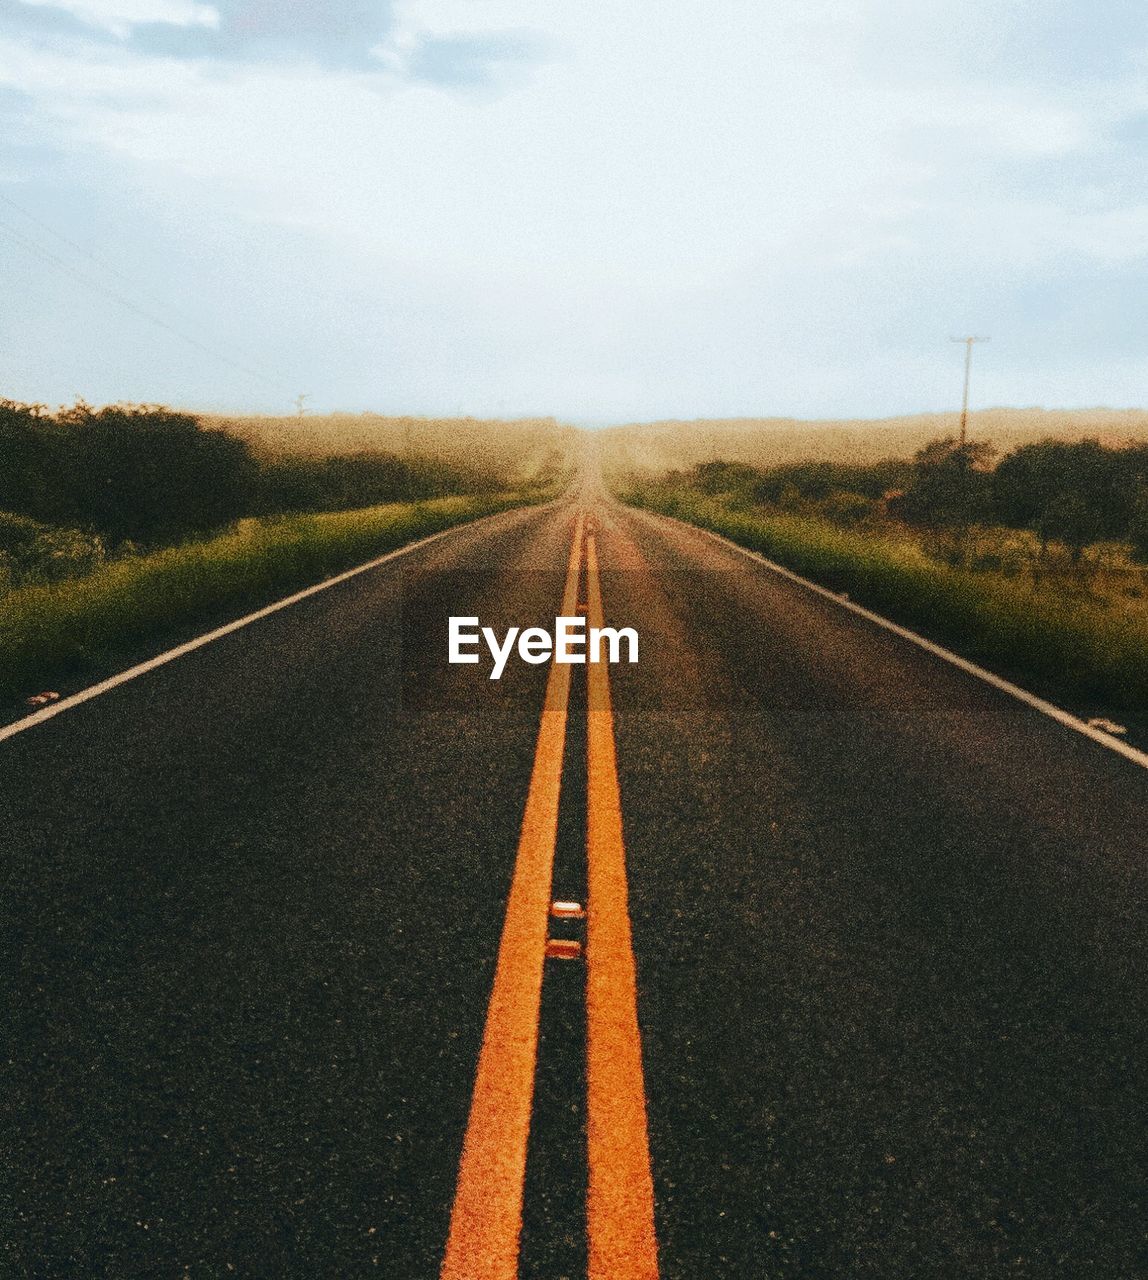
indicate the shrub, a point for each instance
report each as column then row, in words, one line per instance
column 846, row 510
column 951, row 486
column 35, row 552
column 70, row 628
column 1075, row 645
column 1138, row 528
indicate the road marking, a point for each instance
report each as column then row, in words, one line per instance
column 1050, row 709
column 563, row 949
column 486, row 1220
column 620, row 1203
column 142, row 668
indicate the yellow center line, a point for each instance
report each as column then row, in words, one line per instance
column 620, row 1203
column 486, row 1220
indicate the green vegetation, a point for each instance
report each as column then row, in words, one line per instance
column 1025, row 600
column 145, row 476
column 71, row 628
column 35, row 552
column 125, row 474
column 122, row 526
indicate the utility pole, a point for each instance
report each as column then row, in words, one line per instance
column 968, row 369
column 301, row 402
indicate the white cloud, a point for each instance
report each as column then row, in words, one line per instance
column 119, row 17
column 670, row 177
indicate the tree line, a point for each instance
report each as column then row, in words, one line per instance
column 1077, row 493
column 83, row 480
column 153, row 476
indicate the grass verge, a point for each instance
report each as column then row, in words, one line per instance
column 1084, row 651
column 69, row 629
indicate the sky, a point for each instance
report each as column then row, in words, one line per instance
column 601, row 212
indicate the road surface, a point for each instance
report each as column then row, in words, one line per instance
column 889, row 936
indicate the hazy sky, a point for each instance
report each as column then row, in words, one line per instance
column 601, row 211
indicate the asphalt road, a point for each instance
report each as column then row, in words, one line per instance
column 890, row 928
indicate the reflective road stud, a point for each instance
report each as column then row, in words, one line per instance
column 563, row 949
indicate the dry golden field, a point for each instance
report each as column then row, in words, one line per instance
column 654, row 447
column 518, row 449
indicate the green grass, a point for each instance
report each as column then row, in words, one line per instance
column 69, row 629
column 1089, row 651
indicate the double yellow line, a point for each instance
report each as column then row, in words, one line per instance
column 486, row 1221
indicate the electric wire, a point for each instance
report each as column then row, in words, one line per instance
column 47, row 255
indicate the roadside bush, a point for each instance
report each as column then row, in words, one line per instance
column 69, row 628
column 1138, row 528
column 846, row 510
column 298, row 483
column 35, row 552
column 951, row 485
column 29, row 450
column 725, row 477
column 818, row 480
column 1077, row 646
column 151, row 475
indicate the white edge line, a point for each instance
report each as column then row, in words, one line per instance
column 1049, row 709
column 170, row 655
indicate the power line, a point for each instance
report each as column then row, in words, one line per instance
column 38, row 250
column 97, row 260
column 94, row 258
